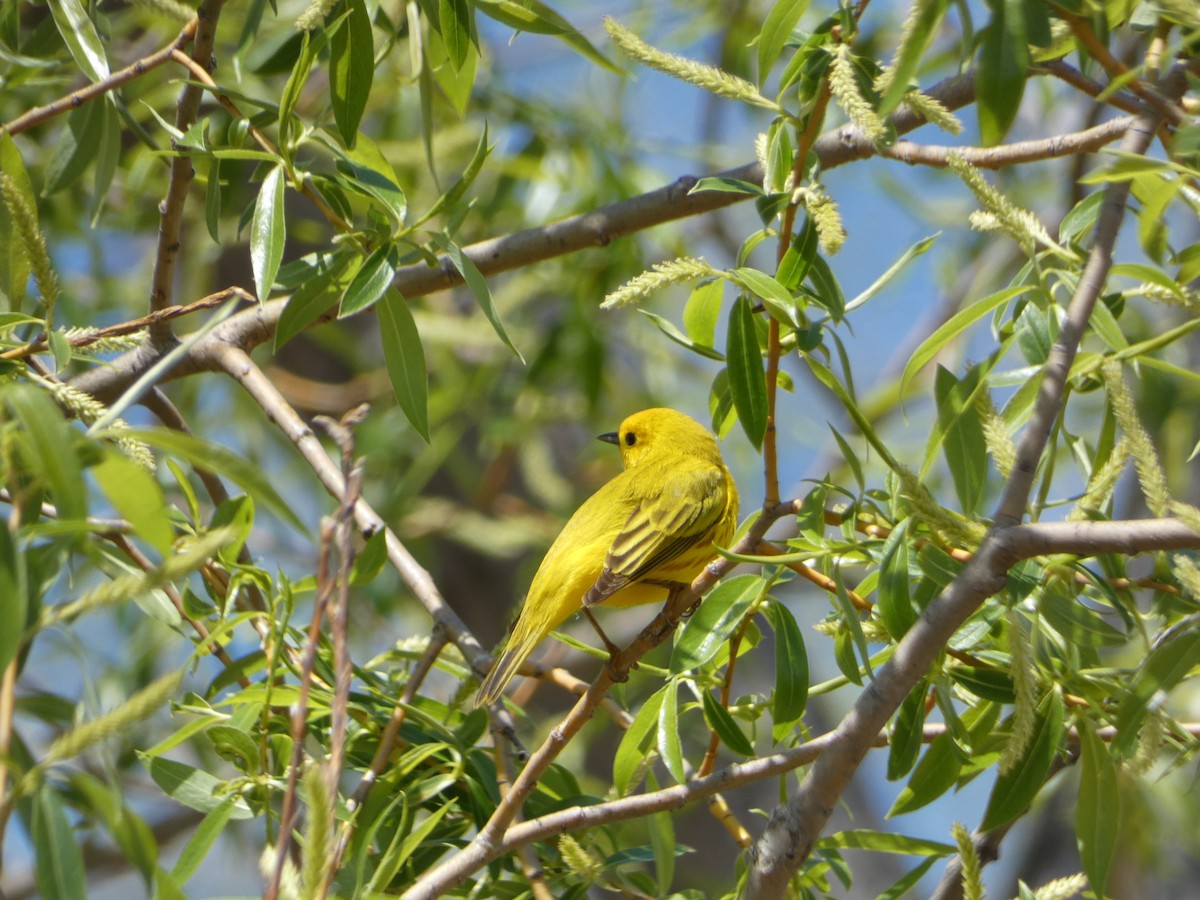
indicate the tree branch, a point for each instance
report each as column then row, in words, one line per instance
column 794, row 827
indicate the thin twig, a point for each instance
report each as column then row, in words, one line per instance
column 95, row 89
column 171, row 215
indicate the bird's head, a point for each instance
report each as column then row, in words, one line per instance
column 660, row 433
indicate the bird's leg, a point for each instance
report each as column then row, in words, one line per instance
column 612, row 648
column 673, row 588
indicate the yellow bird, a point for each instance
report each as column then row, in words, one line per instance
column 653, row 526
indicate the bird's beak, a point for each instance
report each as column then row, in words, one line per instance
column 610, row 437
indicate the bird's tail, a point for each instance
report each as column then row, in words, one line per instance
column 515, row 652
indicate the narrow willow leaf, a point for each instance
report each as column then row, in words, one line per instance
column 722, row 610
column 212, row 201
column 108, row 154
column 456, row 28
column 723, row 724
column 330, row 277
column 791, row 664
column 895, row 599
column 75, row 148
column 1015, row 789
column 702, row 312
column 631, row 752
column 50, row 443
column 14, row 264
column 1174, row 656
column 777, row 299
column 351, row 69
column 478, row 287
column 747, row 383
column 58, row 863
column 776, row 29
column 221, row 461
column 370, row 282
column 828, row 289
column 885, row 842
column 201, row 842
column 452, row 196
column 1098, row 810
column 893, row 270
column 1003, row 63
column 726, row 185
column 669, row 329
column 538, row 18
column 137, row 498
column 661, row 827
column 670, row 746
column 405, row 359
column 952, row 327
column 935, row 774
column 80, row 35
column 961, row 434
column 267, row 233
column 13, row 600
column 192, row 787
column 904, row 743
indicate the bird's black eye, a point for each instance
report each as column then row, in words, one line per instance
column 630, row 439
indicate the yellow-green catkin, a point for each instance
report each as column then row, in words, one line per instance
column 661, row 275
column 139, row 706
column 119, row 343
column 844, row 85
column 1024, row 717
column 972, row 871
column 826, row 218
column 1102, row 484
column 932, row 111
column 24, row 218
column 1000, row 213
column 1062, row 888
column 578, row 859
column 289, row 881
column 705, row 77
column 951, row 527
column 1149, row 743
column 995, row 433
column 1151, row 477
column 1182, row 296
column 314, row 14
column 87, row 409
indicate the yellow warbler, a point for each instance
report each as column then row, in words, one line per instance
column 652, row 526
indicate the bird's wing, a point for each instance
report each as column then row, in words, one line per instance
column 660, row 528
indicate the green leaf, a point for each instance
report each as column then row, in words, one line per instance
column 727, row 186
column 212, row 201
column 128, row 829
column 330, row 276
column 351, row 69
column 954, row 326
column 669, row 329
column 828, row 289
column 537, row 18
column 924, row 16
column 405, row 359
column 961, row 435
column 1098, row 809
column 137, row 497
column 402, row 847
column 452, row 196
column 75, row 148
column 371, row 175
column 221, row 461
column 1015, row 789
column 1172, row 658
column 895, row 599
column 661, row 827
column 370, row 282
column 904, row 743
column 670, row 746
column 58, row 864
column 13, row 597
column 702, row 312
column 478, row 286
column 884, row 842
column 201, row 842
column 722, row 723
column 192, row 787
column 777, row 299
column 893, row 270
column 747, row 384
column 456, row 28
column 791, row 664
column 935, row 774
column 108, row 154
column 51, row 445
column 776, row 29
column 721, row 612
column 632, row 750
column 267, row 233
column 80, row 35
column 1003, row 63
